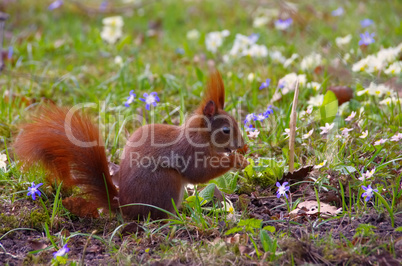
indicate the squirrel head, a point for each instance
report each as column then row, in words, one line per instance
column 223, row 132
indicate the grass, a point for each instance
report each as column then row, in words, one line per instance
column 59, row 56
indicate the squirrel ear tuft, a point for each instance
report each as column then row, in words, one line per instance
column 216, row 90
column 210, row 109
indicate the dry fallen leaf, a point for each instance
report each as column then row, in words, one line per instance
column 310, row 207
column 299, row 174
column 343, row 93
column 37, row 245
column 245, row 250
column 237, row 238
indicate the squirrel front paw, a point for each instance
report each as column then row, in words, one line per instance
column 239, row 161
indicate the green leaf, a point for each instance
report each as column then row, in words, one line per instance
column 249, row 170
column 192, row 201
column 199, row 73
column 398, row 229
column 250, row 223
column 329, row 107
column 269, row 228
column 123, row 42
column 345, row 169
column 208, row 192
column 226, row 183
column 234, row 230
column 265, row 240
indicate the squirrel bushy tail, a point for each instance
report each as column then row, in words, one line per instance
column 71, row 150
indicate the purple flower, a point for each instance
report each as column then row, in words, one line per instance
column 150, row 99
column 260, row 117
column 337, row 12
column 103, row 5
column 269, row 111
column 179, row 51
column 281, row 24
column 249, row 117
column 55, row 4
column 282, row 189
column 253, row 38
column 250, row 128
column 33, row 191
column 366, row 38
column 130, row 99
column 366, row 22
column 10, row 52
column 265, row 84
column 61, row 252
column 281, row 83
column 369, row 192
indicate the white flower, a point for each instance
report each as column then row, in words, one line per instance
column 257, row 51
column 389, row 100
column 316, row 100
column 118, row 61
column 341, row 41
column 376, row 90
column 369, row 64
column 240, row 45
column 364, row 134
column 193, row 34
column 367, row 175
column 380, row 142
column 311, row 61
column 350, row 117
column 260, row 22
column 318, row 166
column 397, row 137
column 253, row 134
column 288, row 82
column 245, row 46
column 3, row 159
column 116, row 21
column 225, row 33
column 345, row 132
column 346, row 58
column 111, row 34
column 287, row 132
column 276, row 56
column 327, row 128
column 307, row 135
column 290, row 60
column 313, row 85
column 214, row 40
column 389, row 55
column 308, row 111
column 112, row 29
column 251, row 77
column 227, row 206
column 379, row 61
column 394, row 69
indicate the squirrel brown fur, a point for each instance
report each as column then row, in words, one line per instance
column 197, row 151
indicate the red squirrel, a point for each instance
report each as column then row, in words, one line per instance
column 197, row 151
